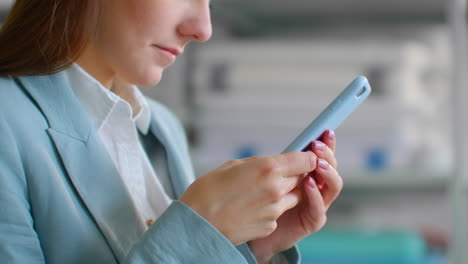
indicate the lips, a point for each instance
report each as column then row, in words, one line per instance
column 175, row 52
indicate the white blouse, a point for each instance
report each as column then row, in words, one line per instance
column 118, row 114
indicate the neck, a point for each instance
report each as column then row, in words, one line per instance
column 93, row 63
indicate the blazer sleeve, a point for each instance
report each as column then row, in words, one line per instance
column 19, row 242
column 290, row 256
column 180, row 235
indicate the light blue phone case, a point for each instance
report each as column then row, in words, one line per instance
column 334, row 114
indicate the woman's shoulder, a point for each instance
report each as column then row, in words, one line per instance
column 11, row 94
column 6, row 84
column 17, row 109
column 10, row 88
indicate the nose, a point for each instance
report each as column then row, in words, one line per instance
column 197, row 26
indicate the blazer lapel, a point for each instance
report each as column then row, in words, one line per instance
column 173, row 141
column 86, row 161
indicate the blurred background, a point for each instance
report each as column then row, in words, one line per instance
column 272, row 66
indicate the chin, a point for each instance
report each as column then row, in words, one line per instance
column 148, row 79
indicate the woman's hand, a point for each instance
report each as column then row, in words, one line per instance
column 319, row 189
column 244, row 198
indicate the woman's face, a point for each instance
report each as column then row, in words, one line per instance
column 138, row 39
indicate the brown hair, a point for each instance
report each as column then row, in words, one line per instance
column 45, row 36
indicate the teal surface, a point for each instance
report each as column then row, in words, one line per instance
column 364, row 247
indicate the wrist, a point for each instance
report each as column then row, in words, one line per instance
column 262, row 255
column 264, row 260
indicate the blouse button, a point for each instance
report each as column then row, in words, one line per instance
column 149, row 222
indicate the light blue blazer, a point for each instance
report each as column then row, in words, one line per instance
column 62, row 201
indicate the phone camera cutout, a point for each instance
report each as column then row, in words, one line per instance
column 363, row 89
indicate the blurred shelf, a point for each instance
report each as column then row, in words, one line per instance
column 5, row 8
column 396, row 181
column 337, row 8
column 253, row 18
column 5, row 5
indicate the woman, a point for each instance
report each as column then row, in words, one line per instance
column 92, row 172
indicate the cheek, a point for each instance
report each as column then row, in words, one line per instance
column 125, row 42
column 131, row 59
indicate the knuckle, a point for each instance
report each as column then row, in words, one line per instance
column 270, row 167
column 274, row 193
column 232, row 163
column 322, row 221
column 311, row 161
column 270, row 227
column 340, row 183
column 276, row 212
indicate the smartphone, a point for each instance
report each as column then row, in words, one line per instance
column 334, row 114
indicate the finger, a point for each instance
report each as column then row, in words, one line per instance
column 290, row 200
column 291, row 164
column 332, row 181
column 273, row 211
column 287, row 184
column 329, row 138
column 318, row 180
column 315, row 214
column 324, row 152
column 248, row 159
column 232, row 163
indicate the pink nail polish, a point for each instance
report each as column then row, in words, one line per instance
column 331, row 134
column 322, row 164
column 311, row 182
column 317, row 145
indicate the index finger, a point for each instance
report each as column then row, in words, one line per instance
column 329, row 138
column 286, row 164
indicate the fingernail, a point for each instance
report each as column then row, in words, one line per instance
column 317, row 145
column 318, row 181
column 311, row 182
column 331, row 134
column 322, row 164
